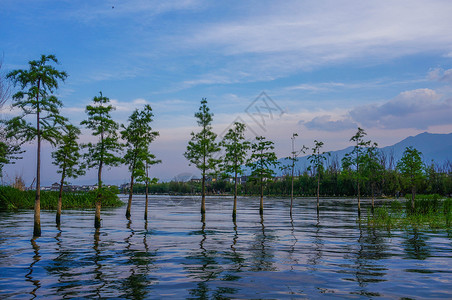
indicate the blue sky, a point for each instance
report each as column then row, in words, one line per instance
column 326, row 66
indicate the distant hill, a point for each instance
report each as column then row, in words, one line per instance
column 436, row 147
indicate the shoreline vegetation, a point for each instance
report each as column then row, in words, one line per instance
column 13, row 199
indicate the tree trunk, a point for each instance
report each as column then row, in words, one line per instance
column 203, row 194
column 318, row 191
column 373, row 196
column 359, row 200
column 291, row 190
column 37, row 214
column 99, row 197
column 261, row 207
column 234, row 209
column 129, row 203
column 413, row 195
column 60, row 198
column 147, row 200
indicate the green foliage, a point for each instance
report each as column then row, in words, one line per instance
column 106, row 150
column 317, row 158
column 202, row 146
column 37, row 84
column 262, row 159
column 411, row 167
column 11, row 198
column 138, row 135
column 67, row 156
column 236, row 149
column 431, row 212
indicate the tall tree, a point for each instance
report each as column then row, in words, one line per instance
column 202, row 147
column 317, row 159
column 372, row 169
column 411, row 168
column 236, row 150
column 105, row 151
column 35, row 98
column 138, row 135
column 355, row 159
column 294, row 158
column 67, row 159
column 262, row 159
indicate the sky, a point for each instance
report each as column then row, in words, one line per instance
column 317, row 68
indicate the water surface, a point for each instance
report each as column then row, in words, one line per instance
column 176, row 255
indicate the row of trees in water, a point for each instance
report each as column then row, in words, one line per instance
column 41, row 120
column 129, row 144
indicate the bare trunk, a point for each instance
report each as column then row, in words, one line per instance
column 147, row 199
column 203, row 194
column 129, row 203
column 291, row 189
column 37, row 214
column 261, row 207
column 373, row 196
column 60, row 198
column 413, row 196
column 318, row 192
column 99, row 197
column 234, row 210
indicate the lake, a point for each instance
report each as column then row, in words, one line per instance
column 175, row 255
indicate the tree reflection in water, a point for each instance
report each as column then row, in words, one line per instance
column 262, row 258
column 138, row 284
column 29, row 276
column 368, row 267
column 415, row 245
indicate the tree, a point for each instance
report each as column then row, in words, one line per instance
column 372, row 169
column 35, row 98
column 411, row 167
column 236, row 149
column 294, row 158
column 106, row 150
column 261, row 160
column 138, row 136
column 202, row 147
column 355, row 159
column 67, row 158
column 317, row 160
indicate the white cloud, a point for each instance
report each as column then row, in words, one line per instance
column 325, row 123
column 418, row 109
column 275, row 40
column 439, row 74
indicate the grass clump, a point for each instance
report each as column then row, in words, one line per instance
column 430, row 211
column 12, row 198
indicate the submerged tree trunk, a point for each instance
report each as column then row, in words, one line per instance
column 146, row 201
column 261, row 206
column 203, row 194
column 318, row 192
column 99, row 197
column 37, row 213
column 60, row 198
column 129, row 203
column 291, row 190
column 359, row 200
column 373, row 196
column 234, row 209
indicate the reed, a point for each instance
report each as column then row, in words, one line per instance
column 11, row 198
column 430, row 212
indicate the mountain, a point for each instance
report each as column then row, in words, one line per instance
column 436, row 147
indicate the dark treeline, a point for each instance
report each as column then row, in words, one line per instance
column 334, row 182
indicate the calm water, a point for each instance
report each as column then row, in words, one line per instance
column 175, row 255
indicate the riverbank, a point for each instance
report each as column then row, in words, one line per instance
column 11, row 199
